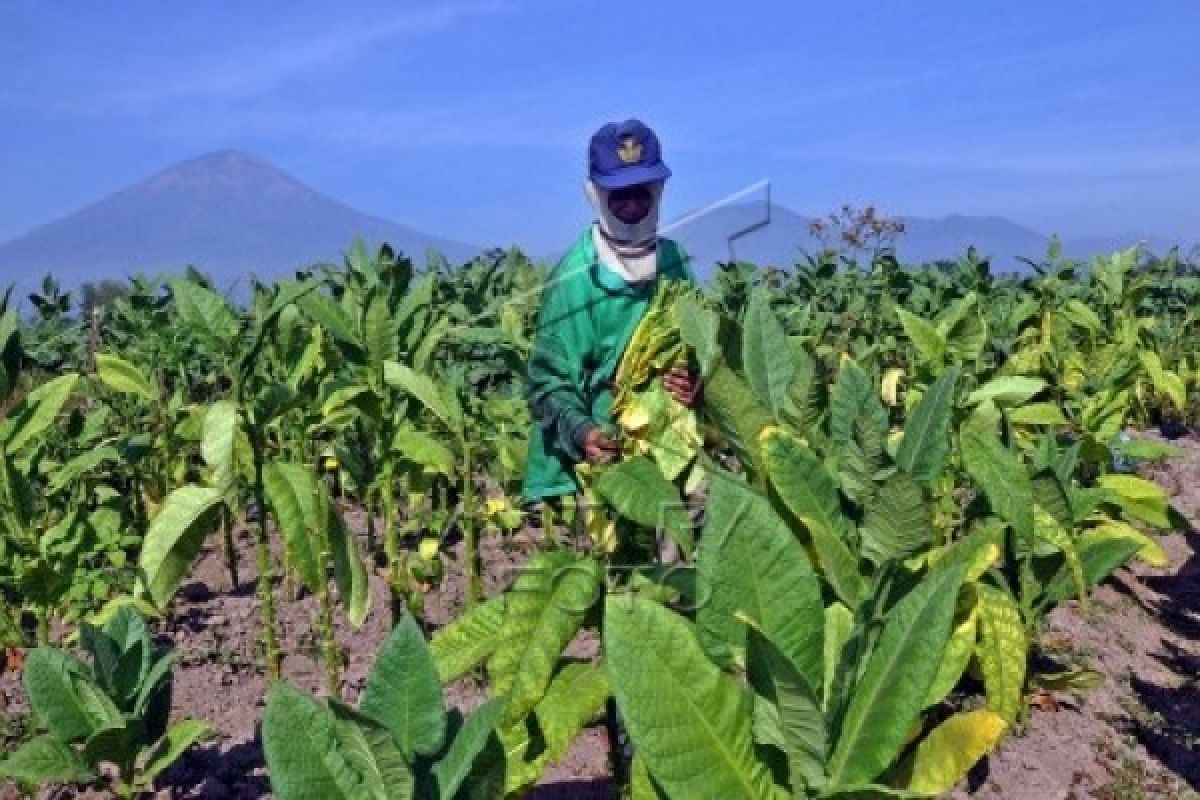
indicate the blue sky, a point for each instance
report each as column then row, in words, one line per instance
column 469, row 118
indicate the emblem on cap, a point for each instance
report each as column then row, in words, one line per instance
column 630, row 151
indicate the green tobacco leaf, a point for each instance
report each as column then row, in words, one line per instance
column 305, row 759
column 545, row 608
column 218, row 444
column 839, row 622
column 1138, row 497
column 421, row 448
column 46, row 759
column 1047, row 529
column 930, row 344
column 471, row 741
column 349, row 567
column 637, row 490
column 806, row 489
column 1000, row 475
column 119, row 375
column 381, row 337
column 766, row 355
column 466, row 642
column 1003, row 651
column 795, row 703
column 291, row 491
column 1101, row 552
column 889, row 696
column 898, row 521
column 51, row 677
column 750, row 562
column 698, row 327
column 854, row 402
column 403, row 691
column 1038, row 414
column 1007, row 391
column 185, row 518
column 205, row 311
column 922, row 451
column 37, row 412
column 372, row 753
column 574, row 697
column 690, row 722
column 325, row 310
column 737, row 414
column 443, row 404
column 1166, row 383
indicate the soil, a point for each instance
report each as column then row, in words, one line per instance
column 1136, row 737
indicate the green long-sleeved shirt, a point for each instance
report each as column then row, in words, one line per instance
column 588, row 314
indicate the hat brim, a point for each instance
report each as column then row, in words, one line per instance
column 631, row 176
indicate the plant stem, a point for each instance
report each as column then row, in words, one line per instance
column 228, row 548
column 470, row 535
column 43, row 627
column 329, row 648
column 262, row 547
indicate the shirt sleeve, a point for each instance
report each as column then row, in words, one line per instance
column 556, row 372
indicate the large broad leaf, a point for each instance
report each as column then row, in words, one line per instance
column 422, row 449
column 466, row 642
column 958, row 652
column 698, row 327
column 544, row 610
column 922, row 451
column 1007, row 391
column 331, row 316
column 854, row 403
column 1165, row 382
column 53, row 681
column 1038, row 414
column 381, row 335
column 573, row 698
column 898, row 521
column 372, row 753
column 349, row 567
column 794, row 704
column 36, row 412
column 637, row 490
column 766, row 356
column 305, row 756
column 930, row 344
column 690, row 722
column 186, row 517
column 1002, row 651
column 441, row 402
column 750, row 562
column 179, row 737
column 737, row 413
column 291, row 491
column 946, row 755
column 1003, row 478
column 404, row 693
column 839, row 624
column 1101, row 552
column 470, row 742
column 1138, row 498
column 46, row 759
column 888, row 699
column 1047, row 529
column 218, row 444
column 806, row 489
column 204, row 311
column 119, row 375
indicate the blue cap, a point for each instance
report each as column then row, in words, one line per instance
column 624, row 154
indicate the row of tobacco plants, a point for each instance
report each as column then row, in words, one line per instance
column 901, row 472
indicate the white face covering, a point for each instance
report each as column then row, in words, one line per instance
column 631, row 250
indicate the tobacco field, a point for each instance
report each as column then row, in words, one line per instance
column 928, row 532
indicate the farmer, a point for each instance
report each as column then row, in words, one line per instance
column 594, row 299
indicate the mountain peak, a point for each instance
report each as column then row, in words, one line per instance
column 229, row 212
column 223, row 170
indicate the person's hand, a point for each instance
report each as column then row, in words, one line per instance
column 683, row 385
column 599, row 447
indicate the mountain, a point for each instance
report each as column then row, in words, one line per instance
column 706, row 238
column 228, row 213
